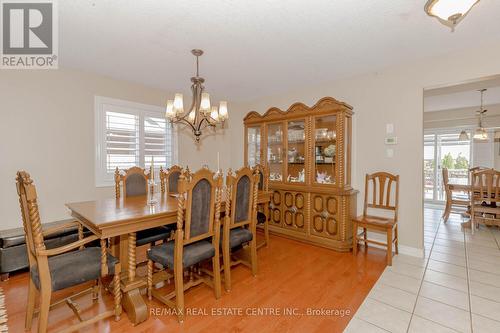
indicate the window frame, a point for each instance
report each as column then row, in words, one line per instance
column 102, row 177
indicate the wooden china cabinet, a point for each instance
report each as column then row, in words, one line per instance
column 308, row 153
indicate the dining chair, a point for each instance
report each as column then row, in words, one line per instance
column 456, row 201
column 239, row 227
column 485, row 194
column 196, row 240
column 169, row 179
column 381, row 196
column 134, row 182
column 54, row 269
column 263, row 219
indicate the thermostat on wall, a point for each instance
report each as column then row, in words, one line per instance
column 391, row 140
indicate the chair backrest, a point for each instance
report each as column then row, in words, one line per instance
column 445, row 177
column 200, row 197
column 242, row 188
column 169, row 179
column 485, row 185
column 263, row 173
column 382, row 192
column 30, row 215
column 134, row 182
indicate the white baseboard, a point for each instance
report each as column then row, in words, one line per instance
column 411, row 251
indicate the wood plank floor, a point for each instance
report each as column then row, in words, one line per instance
column 292, row 275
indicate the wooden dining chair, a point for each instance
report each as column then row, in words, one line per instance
column 169, row 179
column 379, row 197
column 196, row 240
column 456, row 201
column 485, row 194
column 63, row 267
column 263, row 211
column 239, row 227
column 134, row 182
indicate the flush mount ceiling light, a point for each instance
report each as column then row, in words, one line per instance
column 449, row 12
column 481, row 133
column 200, row 114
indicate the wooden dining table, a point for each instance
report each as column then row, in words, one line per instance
column 121, row 219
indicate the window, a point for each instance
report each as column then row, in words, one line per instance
column 131, row 134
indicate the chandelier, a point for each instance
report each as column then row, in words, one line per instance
column 200, row 114
column 480, row 132
column 449, row 12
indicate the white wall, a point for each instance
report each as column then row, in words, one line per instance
column 47, row 129
column 394, row 95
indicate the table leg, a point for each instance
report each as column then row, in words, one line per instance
column 266, row 224
column 132, row 300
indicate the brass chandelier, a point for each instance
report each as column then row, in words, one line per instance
column 200, row 114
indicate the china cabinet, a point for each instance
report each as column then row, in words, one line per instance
column 308, row 153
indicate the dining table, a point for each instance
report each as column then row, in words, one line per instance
column 120, row 219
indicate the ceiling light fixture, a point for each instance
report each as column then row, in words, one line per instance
column 463, row 136
column 449, row 12
column 200, row 114
column 480, row 132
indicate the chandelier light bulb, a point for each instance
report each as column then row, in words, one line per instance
column 214, row 114
column 223, row 113
column 178, row 104
column 205, row 103
column 169, row 113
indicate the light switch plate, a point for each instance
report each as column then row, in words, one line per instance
column 390, row 152
column 389, row 128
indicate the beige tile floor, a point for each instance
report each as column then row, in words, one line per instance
column 455, row 288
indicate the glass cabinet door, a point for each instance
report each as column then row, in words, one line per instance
column 275, row 151
column 253, row 145
column 325, row 147
column 296, row 151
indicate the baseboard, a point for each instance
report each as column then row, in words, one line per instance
column 411, row 251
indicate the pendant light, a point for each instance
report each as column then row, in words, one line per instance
column 480, row 133
column 463, row 136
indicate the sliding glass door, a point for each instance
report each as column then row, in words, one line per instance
column 444, row 149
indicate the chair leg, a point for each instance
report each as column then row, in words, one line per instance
column 253, row 254
column 150, row 279
column 30, row 310
column 266, row 225
column 179, row 290
column 226, row 256
column 365, row 234
column 355, row 238
column 216, row 272
column 117, row 291
column 389, row 247
column 396, row 239
column 43, row 316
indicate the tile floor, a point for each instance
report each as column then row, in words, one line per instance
column 455, row 288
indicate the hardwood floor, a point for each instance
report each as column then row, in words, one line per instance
column 292, row 275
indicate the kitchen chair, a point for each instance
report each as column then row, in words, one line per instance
column 379, row 197
column 456, row 201
column 485, row 193
column 135, row 183
column 169, row 179
column 196, row 240
column 262, row 218
column 62, row 267
column 240, row 221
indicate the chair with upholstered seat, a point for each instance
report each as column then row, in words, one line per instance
column 196, row 240
column 240, row 221
column 381, row 195
column 262, row 218
column 135, row 183
column 62, row 267
column 169, row 179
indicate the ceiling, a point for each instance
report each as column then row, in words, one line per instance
column 258, row 48
column 465, row 95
